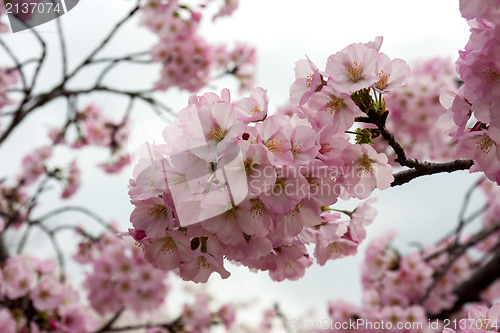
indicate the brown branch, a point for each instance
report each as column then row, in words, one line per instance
column 417, row 168
column 110, row 323
column 4, row 252
column 429, row 168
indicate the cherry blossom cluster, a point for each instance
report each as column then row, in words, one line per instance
column 490, row 215
column 416, row 287
column 415, row 110
column 473, row 118
column 36, row 164
column 259, row 184
column 481, row 319
column 121, row 277
column 399, row 290
column 15, row 200
column 94, row 128
column 32, row 299
column 188, row 60
column 390, row 279
column 12, row 202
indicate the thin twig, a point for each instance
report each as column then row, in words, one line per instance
column 115, row 29
column 79, row 209
column 16, row 61
column 57, row 250
column 41, row 60
column 463, row 209
column 62, row 42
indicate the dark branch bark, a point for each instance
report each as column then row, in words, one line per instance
column 110, row 323
column 4, row 252
column 428, row 168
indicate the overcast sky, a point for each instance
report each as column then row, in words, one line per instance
column 283, row 32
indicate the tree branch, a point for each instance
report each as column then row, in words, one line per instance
column 429, row 168
column 89, row 58
column 4, row 252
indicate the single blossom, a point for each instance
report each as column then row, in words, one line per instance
column 352, row 68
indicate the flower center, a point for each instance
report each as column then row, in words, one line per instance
column 382, row 79
column 202, row 263
column 354, row 72
column 485, row 143
column 230, row 215
column 168, row 246
column 295, row 148
column 325, row 148
column 334, row 105
column 216, row 133
column 309, row 79
column 255, row 110
column 157, row 211
column 491, row 75
column 257, row 209
column 279, row 186
column 250, row 167
column 366, row 163
column 274, row 145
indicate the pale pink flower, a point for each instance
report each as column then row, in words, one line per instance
column 253, row 108
column 352, row 68
column 326, row 250
column 272, row 135
column 482, row 148
column 76, row 319
column 304, row 215
column 227, row 9
column 362, row 216
column 288, row 190
column 291, row 264
column 47, row 294
column 18, row 277
column 367, row 170
column 259, row 171
column 227, row 314
column 486, row 319
column 72, row 181
column 476, row 8
column 7, row 322
column 201, row 267
column 152, row 216
column 307, row 81
column 334, row 108
column 302, row 136
column 391, row 73
column 197, row 316
column 169, row 250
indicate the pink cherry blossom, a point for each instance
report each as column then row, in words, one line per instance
column 367, row 170
column 7, row 322
column 47, row 295
column 352, row 68
column 391, row 73
column 253, row 108
column 334, row 108
column 307, row 81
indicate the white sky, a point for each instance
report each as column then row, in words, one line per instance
column 283, row 32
